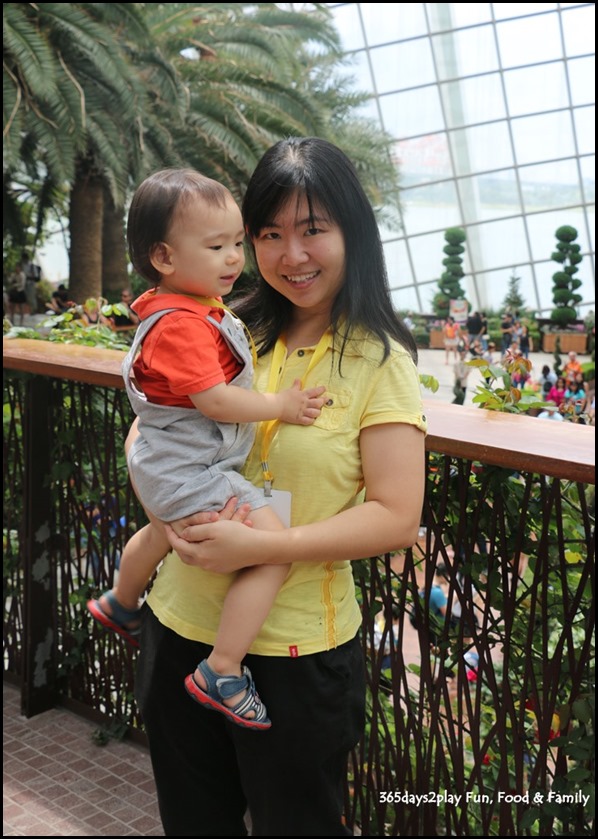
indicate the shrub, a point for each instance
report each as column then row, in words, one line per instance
column 449, row 284
column 564, row 296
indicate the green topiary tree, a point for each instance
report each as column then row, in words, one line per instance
column 449, row 284
column 513, row 301
column 557, row 357
column 564, row 296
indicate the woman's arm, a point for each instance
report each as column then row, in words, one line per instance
column 393, row 467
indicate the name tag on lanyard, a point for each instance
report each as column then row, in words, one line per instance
column 280, row 501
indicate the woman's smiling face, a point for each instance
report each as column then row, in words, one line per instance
column 302, row 256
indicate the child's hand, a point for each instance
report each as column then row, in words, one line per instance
column 301, row 407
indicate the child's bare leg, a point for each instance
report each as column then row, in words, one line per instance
column 246, row 607
column 141, row 556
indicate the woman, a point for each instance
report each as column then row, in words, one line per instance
column 17, row 297
column 322, row 313
column 557, row 392
column 452, row 332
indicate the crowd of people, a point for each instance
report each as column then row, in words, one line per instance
column 568, row 395
column 90, row 312
column 20, row 299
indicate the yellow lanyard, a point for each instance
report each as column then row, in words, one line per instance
column 216, row 303
column 269, row 428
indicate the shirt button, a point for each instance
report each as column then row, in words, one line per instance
column 300, row 353
column 330, row 402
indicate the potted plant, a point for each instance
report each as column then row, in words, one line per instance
column 563, row 318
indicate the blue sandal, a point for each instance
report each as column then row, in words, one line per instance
column 118, row 618
column 223, row 687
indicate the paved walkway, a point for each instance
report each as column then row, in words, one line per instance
column 58, row 782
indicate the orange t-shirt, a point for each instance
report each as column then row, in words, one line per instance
column 183, row 353
column 451, row 330
column 571, row 369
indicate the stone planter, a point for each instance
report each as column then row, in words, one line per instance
column 436, row 339
column 570, row 341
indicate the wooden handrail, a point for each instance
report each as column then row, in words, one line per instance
column 522, row 443
column 515, row 441
column 90, row 365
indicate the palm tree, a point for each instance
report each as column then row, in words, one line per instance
column 71, row 95
column 99, row 95
column 234, row 96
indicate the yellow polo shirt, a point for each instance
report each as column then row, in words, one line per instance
column 320, row 465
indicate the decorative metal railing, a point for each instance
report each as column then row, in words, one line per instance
column 483, row 722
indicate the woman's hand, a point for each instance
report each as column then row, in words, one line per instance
column 230, row 512
column 221, row 546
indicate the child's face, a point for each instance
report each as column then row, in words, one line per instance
column 204, row 250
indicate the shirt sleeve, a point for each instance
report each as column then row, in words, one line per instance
column 395, row 393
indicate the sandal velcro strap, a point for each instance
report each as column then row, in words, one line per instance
column 219, row 688
column 119, row 618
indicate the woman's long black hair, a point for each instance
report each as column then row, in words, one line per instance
column 324, row 174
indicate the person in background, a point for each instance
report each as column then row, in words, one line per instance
column 591, row 406
column 451, row 331
column 91, row 312
column 33, row 275
column 506, row 329
column 575, row 398
column 462, row 371
column 572, row 367
column 379, row 635
column 476, row 350
column 526, row 344
column 551, row 412
column 546, row 381
column 521, row 375
column 556, row 393
column 485, row 337
column 409, row 322
column 17, row 297
column 321, row 311
column 474, row 327
column 127, row 320
column 580, row 379
column 60, row 302
column 488, row 354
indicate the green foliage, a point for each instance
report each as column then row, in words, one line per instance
column 557, row 366
column 422, row 337
column 429, row 382
column 70, row 328
column 498, row 392
column 449, row 284
column 116, row 729
column 565, row 297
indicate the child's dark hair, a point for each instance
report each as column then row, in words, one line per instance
column 321, row 172
column 153, row 208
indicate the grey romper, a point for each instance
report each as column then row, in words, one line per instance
column 182, row 462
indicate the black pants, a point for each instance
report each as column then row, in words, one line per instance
column 208, row 771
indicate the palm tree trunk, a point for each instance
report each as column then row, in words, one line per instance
column 114, row 249
column 86, row 212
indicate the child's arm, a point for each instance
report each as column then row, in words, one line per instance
column 229, row 403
